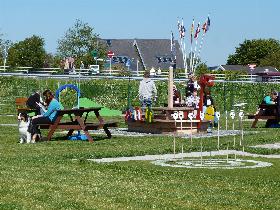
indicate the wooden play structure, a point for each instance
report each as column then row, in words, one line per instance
column 162, row 117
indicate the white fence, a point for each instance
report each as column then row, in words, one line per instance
column 121, row 74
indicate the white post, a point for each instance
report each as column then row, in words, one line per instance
column 5, row 64
column 110, row 65
column 137, row 67
column 218, row 117
column 175, row 117
column 226, row 120
column 241, row 115
column 170, row 88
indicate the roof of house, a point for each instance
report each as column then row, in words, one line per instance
column 257, row 70
column 123, row 50
column 157, row 53
column 150, row 52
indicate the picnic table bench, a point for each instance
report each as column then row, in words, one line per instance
column 77, row 121
column 265, row 112
column 21, row 107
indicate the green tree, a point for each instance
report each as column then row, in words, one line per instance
column 253, row 51
column 201, row 69
column 79, row 41
column 272, row 59
column 29, row 52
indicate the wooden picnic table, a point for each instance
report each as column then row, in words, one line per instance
column 77, row 120
column 266, row 112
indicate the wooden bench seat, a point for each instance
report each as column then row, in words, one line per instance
column 21, row 105
column 70, row 126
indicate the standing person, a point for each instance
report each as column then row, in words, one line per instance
column 82, row 66
column 147, row 91
column 209, row 108
column 47, row 118
column 66, row 66
column 191, row 85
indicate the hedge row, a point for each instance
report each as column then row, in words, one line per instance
column 114, row 93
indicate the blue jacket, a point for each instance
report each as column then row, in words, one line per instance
column 268, row 100
column 52, row 109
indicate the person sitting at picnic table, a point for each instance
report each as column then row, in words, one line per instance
column 47, row 118
column 270, row 100
column 147, row 91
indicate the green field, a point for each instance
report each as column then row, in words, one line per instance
column 45, row 176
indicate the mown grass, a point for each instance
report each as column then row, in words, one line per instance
column 45, row 176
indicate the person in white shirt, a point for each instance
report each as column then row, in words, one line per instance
column 147, row 91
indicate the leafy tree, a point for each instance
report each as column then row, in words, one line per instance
column 253, row 51
column 29, row 52
column 80, row 41
column 272, row 59
column 201, row 69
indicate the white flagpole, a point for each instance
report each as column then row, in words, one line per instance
column 202, row 39
column 191, row 57
column 185, row 59
column 199, row 50
column 194, row 55
column 183, row 43
column 195, row 48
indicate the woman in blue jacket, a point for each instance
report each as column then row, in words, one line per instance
column 47, row 118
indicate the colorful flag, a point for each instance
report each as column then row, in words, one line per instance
column 182, row 30
column 172, row 43
column 192, row 29
column 178, row 25
column 206, row 25
column 197, row 31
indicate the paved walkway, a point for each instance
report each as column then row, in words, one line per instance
column 182, row 155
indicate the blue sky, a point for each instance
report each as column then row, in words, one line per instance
column 232, row 21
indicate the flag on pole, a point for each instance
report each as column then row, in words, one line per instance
column 178, row 25
column 197, row 31
column 172, row 43
column 181, row 29
column 192, row 29
column 206, row 25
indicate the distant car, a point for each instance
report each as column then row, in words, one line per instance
column 94, row 69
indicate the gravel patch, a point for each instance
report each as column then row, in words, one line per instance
column 182, row 155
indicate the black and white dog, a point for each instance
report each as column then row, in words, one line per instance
column 23, row 123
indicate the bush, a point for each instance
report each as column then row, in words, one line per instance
column 114, row 93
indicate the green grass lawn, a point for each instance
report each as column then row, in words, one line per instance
column 45, row 176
